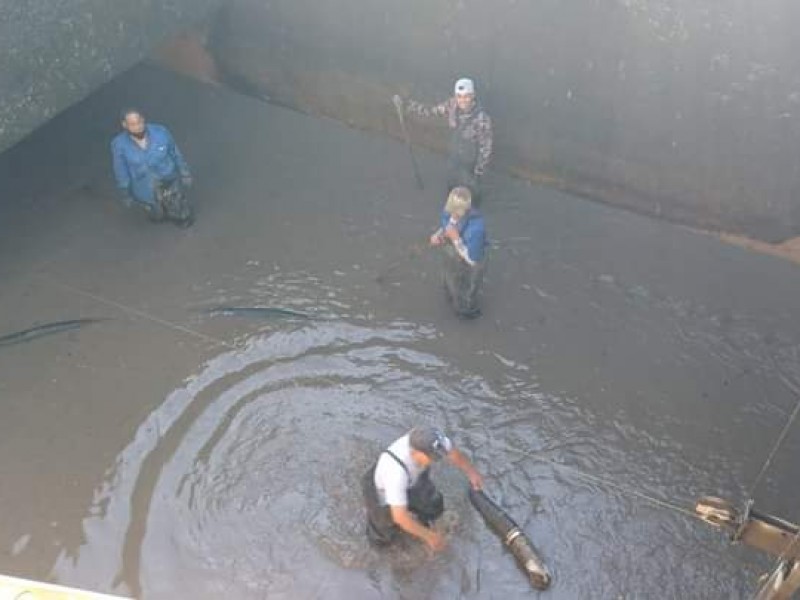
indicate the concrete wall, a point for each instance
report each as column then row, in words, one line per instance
column 55, row 52
column 687, row 109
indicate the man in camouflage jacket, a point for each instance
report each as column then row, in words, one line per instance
column 471, row 139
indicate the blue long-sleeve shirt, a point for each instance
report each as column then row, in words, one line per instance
column 137, row 169
column 472, row 230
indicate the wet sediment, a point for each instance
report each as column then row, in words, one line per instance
column 622, row 368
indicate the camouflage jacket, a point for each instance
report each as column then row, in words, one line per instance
column 475, row 125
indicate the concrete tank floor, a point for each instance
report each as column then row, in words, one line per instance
column 622, row 367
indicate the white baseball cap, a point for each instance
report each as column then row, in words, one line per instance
column 465, row 86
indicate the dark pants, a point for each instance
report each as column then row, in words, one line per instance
column 461, row 174
column 172, row 203
column 425, row 502
column 462, row 282
column 462, row 158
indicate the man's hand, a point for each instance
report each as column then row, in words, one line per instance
column 475, row 479
column 405, row 521
column 398, row 102
column 186, row 181
column 435, row 541
column 451, row 233
column 437, row 239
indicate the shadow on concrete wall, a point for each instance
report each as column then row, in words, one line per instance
column 53, row 54
column 687, row 110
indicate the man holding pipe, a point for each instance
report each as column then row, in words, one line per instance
column 399, row 495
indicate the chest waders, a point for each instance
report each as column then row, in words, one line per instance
column 463, row 155
column 425, row 502
column 171, row 201
column 462, row 282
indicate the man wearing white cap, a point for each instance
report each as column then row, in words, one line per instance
column 398, row 492
column 471, row 139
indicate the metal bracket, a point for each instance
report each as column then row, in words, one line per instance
column 767, row 533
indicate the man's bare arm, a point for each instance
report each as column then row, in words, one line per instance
column 405, row 521
column 458, row 458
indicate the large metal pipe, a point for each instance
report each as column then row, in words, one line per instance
column 513, row 537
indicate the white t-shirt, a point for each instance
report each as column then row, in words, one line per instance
column 391, row 480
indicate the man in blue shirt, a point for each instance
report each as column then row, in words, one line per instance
column 462, row 233
column 150, row 169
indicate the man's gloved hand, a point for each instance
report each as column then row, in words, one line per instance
column 398, row 102
column 186, row 181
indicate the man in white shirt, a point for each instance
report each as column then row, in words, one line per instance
column 399, row 493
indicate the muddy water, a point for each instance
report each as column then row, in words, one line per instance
column 622, row 368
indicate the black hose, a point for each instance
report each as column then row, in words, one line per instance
column 513, row 537
column 497, row 520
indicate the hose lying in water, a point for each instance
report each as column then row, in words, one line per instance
column 46, row 329
column 513, row 537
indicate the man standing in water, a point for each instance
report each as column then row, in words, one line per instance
column 471, row 134
column 150, row 169
column 398, row 491
column 462, row 233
